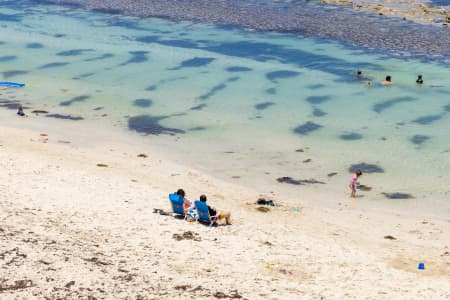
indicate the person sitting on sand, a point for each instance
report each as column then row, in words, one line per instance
column 419, row 79
column 354, row 181
column 213, row 212
column 20, row 111
column 387, row 81
column 186, row 203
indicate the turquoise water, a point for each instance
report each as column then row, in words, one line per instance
column 245, row 106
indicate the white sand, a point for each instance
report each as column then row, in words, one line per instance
column 71, row 229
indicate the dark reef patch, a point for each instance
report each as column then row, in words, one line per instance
column 74, row 99
column 150, row 125
column 398, row 195
column 34, row 46
column 73, row 52
column 194, row 63
column 13, row 73
column 64, row 117
column 237, row 69
column 317, row 99
column 233, row 79
column 143, row 102
column 275, row 75
column 136, row 57
column 198, row 128
column 264, row 105
column 351, row 136
column 7, row 58
column 53, row 65
column 11, row 18
column 307, row 127
column 419, row 139
column 318, row 112
column 199, row 107
column 426, row 120
column 379, row 107
column 365, row 168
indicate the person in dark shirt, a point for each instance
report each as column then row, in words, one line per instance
column 419, row 79
column 213, row 212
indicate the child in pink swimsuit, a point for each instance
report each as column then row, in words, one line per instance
column 354, row 181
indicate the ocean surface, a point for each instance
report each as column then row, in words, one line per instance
column 260, row 93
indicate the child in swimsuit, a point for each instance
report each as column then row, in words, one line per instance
column 354, row 181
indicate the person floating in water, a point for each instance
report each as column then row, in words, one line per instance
column 359, row 73
column 20, row 111
column 387, row 81
column 354, row 182
column 419, row 79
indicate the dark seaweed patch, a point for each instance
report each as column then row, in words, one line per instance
column 271, row 91
column 275, row 75
column 152, row 87
column 264, row 105
column 194, row 63
column 233, row 79
column 237, row 69
column 379, row 107
column 350, row 136
column 318, row 112
column 64, row 117
column 7, row 58
column 419, row 139
column 365, row 168
column 59, row 35
column 199, row 107
column 104, row 56
column 8, row 74
column 198, row 128
column 307, row 128
column 34, row 46
column 315, row 86
column 213, row 91
column 293, row 181
column 142, row 102
column 397, row 195
column 447, row 108
column 84, row 75
column 425, row 120
column 318, row 99
column 74, row 99
column 73, row 52
column 53, row 65
column 109, row 11
column 136, row 57
column 150, row 125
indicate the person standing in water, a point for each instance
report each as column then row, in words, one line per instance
column 20, row 111
column 419, row 79
column 354, row 182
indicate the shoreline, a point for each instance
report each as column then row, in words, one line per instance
column 71, row 228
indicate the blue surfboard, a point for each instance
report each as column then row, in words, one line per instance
column 11, row 84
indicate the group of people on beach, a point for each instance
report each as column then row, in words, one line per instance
column 189, row 208
column 387, row 80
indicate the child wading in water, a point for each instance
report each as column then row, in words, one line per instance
column 354, row 181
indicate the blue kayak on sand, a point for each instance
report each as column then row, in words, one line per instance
column 11, row 84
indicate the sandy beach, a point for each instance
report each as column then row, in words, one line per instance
column 77, row 222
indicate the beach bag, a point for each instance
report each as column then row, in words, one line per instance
column 191, row 215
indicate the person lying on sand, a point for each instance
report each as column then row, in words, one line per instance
column 220, row 215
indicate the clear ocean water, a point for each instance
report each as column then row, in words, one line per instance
column 243, row 105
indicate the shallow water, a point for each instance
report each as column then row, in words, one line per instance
column 246, row 106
